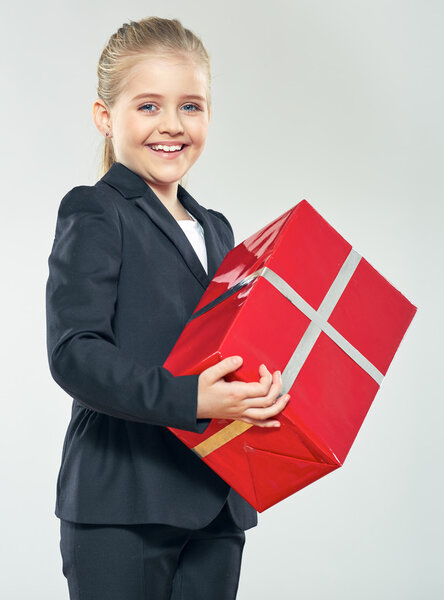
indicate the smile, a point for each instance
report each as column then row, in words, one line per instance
column 168, row 154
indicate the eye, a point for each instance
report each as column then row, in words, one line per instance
column 194, row 106
column 142, row 107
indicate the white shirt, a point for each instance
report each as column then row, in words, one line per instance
column 195, row 233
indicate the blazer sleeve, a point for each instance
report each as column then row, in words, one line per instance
column 81, row 293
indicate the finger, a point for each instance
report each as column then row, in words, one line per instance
column 262, row 414
column 270, row 396
column 222, row 368
column 269, row 424
column 251, row 389
column 265, row 376
column 264, row 372
column 276, row 387
column 255, row 389
column 263, row 369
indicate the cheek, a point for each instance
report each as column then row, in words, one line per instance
column 135, row 129
column 199, row 133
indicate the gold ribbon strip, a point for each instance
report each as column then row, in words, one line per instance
column 221, row 437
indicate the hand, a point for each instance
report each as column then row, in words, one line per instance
column 253, row 402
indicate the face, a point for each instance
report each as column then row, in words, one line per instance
column 163, row 101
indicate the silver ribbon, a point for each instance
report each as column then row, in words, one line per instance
column 318, row 318
column 319, row 322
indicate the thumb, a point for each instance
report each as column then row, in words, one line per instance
column 231, row 363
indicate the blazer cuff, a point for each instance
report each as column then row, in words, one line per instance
column 187, row 386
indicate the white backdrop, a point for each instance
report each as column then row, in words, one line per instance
column 340, row 103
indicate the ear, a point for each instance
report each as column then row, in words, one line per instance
column 101, row 116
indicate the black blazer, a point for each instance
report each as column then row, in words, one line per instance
column 123, row 281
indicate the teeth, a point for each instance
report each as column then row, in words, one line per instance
column 166, row 148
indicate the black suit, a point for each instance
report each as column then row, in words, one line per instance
column 123, row 281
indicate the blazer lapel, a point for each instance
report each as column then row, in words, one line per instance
column 133, row 187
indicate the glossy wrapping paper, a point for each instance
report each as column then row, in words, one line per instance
column 297, row 297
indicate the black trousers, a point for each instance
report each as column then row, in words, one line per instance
column 152, row 561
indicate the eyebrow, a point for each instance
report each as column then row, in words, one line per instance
column 189, row 96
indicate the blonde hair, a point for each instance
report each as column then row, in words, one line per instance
column 130, row 45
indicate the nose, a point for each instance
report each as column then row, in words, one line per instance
column 170, row 121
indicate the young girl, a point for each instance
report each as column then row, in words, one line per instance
column 142, row 516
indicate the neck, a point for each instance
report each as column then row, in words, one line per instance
column 167, row 194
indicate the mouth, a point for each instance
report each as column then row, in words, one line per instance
column 168, row 154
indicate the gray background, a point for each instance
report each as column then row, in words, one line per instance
column 340, row 103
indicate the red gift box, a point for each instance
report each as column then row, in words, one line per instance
column 297, row 297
